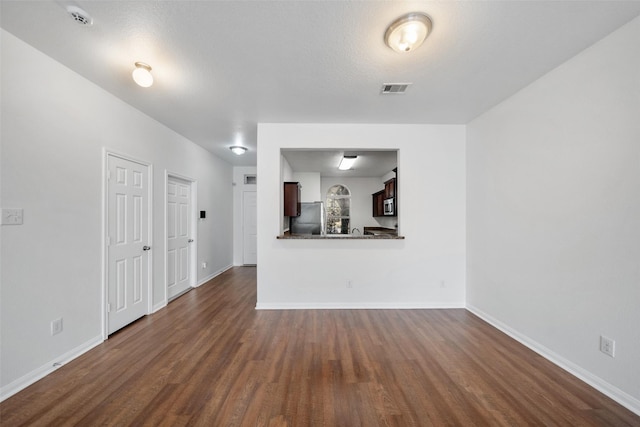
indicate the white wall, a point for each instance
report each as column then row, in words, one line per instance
column 553, row 184
column 310, row 183
column 239, row 187
column 427, row 269
column 55, row 125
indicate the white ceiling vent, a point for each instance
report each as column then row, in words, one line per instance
column 394, row 88
column 79, row 15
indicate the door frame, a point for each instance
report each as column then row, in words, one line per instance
column 193, row 270
column 243, row 225
column 106, row 153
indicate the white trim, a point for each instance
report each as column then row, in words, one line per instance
column 105, row 254
column 242, row 210
column 41, row 372
column 105, row 229
column 214, row 275
column 356, row 306
column 193, row 186
column 158, row 306
column 623, row 398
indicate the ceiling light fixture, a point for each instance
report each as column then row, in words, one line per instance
column 347, row 162
column 238, row 150
column 408, row 32
column 142, row 75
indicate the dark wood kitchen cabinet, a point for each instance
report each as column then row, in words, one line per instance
column 390, row 188
column 292, row 198
column 378, row 203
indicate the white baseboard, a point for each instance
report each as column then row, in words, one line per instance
column 624, row 399
column 355, row 306
column 41, row 372
column 214, row 275
column 159, row 306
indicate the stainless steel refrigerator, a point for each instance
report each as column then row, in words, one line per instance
column 310, row 221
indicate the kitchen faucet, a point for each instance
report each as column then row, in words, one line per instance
column 355, row 229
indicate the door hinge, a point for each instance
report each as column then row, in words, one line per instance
column 108, row 308
column 108, row 240
column 108, row 175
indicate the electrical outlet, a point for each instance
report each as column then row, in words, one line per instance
column 56, row 326
column 204, row 265
column 349, row 284
column 11, row 216
column 607, row 346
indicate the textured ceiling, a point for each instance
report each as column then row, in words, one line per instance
column 221, row 67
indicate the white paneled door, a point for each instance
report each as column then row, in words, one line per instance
column 179, row 240
column 127, row 242
column 249, row 228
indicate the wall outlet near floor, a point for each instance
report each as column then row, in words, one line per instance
column 11, row 216
column 204, row 265
column 349, row 283
column 607, row 346
column 56, row 326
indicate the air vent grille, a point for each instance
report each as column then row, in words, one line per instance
column 394, row 88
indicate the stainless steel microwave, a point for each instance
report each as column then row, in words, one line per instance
column 389, row 206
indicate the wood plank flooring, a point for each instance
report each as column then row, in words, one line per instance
column 210, row 359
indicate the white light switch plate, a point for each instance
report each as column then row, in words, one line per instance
column 11, row 216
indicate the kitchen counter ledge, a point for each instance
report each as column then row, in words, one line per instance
column 339, row 237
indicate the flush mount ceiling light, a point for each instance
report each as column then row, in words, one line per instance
column 347, row 162
column 238, row 150
column 142, row 74
column 408, row 32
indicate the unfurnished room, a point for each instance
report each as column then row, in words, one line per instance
column 320, row 213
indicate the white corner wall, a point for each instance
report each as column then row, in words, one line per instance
column 553, row 208
column 310, row 186
column 55, row 125
column 427, row 269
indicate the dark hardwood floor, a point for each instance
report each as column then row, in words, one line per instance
column 211, row 359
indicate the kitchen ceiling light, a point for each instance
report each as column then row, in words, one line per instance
column 238, row 150
column 142, row 74
column 408, row 32
column 347, row 162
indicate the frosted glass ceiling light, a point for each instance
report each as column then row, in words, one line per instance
column 408, row 32
column 347, row 162
column 238, row 150
column 142, row 75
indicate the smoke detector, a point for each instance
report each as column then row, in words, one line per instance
column 79, row 15
column 394, row 88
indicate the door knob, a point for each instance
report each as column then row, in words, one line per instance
column 146, row 248
column 190, row 240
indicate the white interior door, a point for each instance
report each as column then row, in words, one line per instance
column 249, row 228
column 127, row 242
column 179, row 240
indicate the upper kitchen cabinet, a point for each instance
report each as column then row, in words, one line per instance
column 292, row 198
column 378, row 203
column 390, row 188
